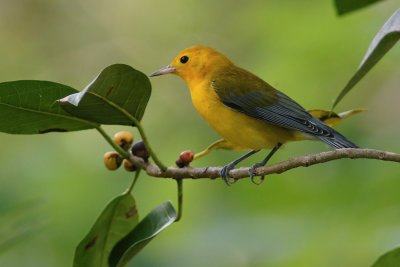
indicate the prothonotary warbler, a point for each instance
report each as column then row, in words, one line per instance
column 246, row 111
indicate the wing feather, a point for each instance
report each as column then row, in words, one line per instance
column 248, row 94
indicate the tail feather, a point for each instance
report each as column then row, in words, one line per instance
column 334, row 138
column 338, row 141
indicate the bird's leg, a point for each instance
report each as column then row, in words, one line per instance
column 222, row 143
column 252, row 170
column 225, row 170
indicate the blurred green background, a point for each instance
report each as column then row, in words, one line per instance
column 53, row 186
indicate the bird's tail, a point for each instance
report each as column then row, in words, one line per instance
column 334, row 138
column 338, row 141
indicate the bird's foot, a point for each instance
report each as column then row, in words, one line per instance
column 253, row 174
column 225, row 173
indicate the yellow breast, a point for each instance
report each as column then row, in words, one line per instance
column 239, row 129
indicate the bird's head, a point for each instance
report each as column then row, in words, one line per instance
column 195, row 63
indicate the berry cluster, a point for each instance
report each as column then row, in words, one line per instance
column 112, row 160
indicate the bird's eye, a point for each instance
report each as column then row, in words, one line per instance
column 184, row 59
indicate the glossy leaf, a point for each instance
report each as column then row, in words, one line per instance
column 117, row 219
column 156, row 221
column 346, row 6
column 385, row 39
column 117, row 91
column 389, row 259
column 30, row 107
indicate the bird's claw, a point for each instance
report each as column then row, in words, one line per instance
column 253, row 174
column 225, row 174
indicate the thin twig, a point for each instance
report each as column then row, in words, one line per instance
column 243, row 172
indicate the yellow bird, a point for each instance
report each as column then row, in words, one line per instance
column 246, row 111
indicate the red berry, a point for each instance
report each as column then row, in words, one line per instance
column 184, row 159
column 187, row 156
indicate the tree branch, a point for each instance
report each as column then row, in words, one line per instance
column 243, row 172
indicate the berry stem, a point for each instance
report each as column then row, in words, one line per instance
column 147, row 144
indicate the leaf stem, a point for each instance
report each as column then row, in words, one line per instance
column 147, row 144
column 129, row 190
column 179, row 182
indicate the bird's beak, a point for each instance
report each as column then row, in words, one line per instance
column 162, row 71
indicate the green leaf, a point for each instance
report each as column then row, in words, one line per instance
column 156, row 221
column 385, row 39
column 347, row 6
column 389, row 259
column 30, row 107
column 117, row 219
column 117, row 93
